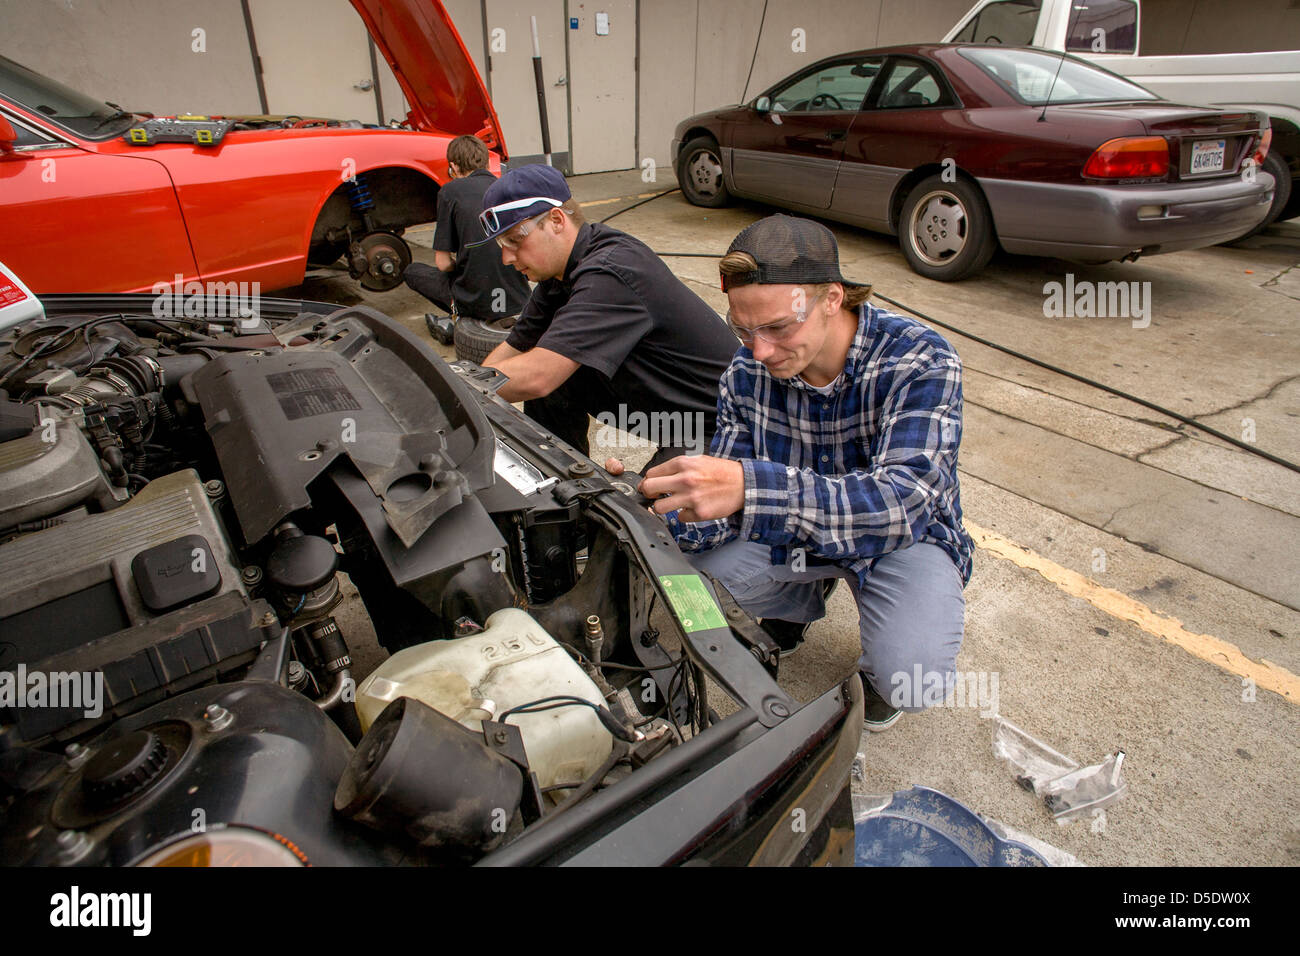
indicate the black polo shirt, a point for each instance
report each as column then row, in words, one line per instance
column 478, row 272
column 619, row 310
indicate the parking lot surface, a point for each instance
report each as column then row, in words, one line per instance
column 1136, row 582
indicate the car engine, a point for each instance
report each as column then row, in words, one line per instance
column 178, row 501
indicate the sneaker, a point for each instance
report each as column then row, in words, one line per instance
column 880, row 714
column 440, row 327
column 788, row 635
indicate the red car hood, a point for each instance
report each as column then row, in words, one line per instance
column 433, row 68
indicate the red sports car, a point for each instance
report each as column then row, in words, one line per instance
column 956, row 149
column 112, row 201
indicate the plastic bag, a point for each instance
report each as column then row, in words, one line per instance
column 1068, row 790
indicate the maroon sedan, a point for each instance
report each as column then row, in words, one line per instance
column 957, row 148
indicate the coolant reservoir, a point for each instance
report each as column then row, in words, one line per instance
column 514, row 661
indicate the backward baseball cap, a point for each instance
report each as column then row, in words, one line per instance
column 543, row 184
column 789, row 251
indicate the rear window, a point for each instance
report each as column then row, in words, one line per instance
column 1102, row 26
column 1030, row 76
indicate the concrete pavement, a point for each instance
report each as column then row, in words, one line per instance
column 1138, row 582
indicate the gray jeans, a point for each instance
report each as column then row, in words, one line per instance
column 910, row 611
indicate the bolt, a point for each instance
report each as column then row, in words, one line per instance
column 217, row 717
column 73, row 845
column 251, row 575
column 77, row 755
column 268, row 619
column 733, row 613
column 214, row 488
column 500, row 737
column 580, row 468
column 778, row 709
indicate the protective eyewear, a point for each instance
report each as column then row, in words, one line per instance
column 506, row 241
column 491, row 222
column 773, row 333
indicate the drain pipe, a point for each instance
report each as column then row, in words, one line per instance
column 541, row 94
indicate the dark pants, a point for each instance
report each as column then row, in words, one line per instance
column 567, row 411
column 431, row 283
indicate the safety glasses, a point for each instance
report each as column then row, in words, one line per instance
column 773, row 333
column 491, row 222
column 512, row 242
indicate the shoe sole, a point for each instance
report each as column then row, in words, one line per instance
column 876, row 726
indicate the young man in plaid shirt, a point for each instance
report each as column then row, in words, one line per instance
column 835, row 456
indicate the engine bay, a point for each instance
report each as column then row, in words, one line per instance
column 180, row 499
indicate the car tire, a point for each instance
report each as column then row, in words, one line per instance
column 699, row 173
column 946, row 229
column 475, row 339
column 1276, row 167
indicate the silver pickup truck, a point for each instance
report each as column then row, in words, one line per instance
column 1188, row 53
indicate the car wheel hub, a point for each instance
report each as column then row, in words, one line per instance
column 939, row 228
column 706, row 173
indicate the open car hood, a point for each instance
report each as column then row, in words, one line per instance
column 434, row 69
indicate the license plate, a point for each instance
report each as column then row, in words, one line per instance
column 1207, row 156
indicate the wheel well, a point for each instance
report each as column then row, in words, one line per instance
column 402, row 197
column 1286, row 143
column 694, row 133
column 906, row 184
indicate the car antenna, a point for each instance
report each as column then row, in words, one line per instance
column 1059, row 63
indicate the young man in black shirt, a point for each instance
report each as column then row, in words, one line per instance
column 609, row 331
column 471, row 276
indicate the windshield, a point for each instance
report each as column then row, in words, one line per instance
column 1030, row 74
column 60, row 104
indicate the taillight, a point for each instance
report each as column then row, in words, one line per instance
column 1262, row 152
column 1129, row 157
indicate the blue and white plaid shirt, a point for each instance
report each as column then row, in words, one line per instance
column 850, row 476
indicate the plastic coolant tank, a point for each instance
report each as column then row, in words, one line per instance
column 514, row 661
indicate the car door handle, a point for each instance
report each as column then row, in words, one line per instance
column 836, row 134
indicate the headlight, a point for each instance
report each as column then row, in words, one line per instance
column 228, row 846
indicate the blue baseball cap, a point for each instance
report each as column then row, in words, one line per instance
column 521, row 194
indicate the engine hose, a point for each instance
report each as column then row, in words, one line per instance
column 619, row 752
column 341, row 681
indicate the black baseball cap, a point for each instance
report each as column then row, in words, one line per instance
column 521, row 194
column 789, row 251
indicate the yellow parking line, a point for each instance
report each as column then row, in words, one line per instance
column 1216, row 651
column 605, row 202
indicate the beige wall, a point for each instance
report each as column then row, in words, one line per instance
column 694, row 54
column 135, row 53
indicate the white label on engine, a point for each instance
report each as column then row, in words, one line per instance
column 525, row 478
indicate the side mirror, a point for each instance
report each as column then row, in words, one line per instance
column 8, row 135
column 763, row 104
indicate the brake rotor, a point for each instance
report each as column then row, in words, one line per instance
column 385, row 256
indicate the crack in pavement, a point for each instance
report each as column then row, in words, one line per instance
column 1258, row 398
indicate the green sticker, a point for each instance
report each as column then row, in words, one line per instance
column 691, row 602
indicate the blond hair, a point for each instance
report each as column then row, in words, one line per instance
column 739, row 263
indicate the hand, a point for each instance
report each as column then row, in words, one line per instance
column 697, row 487
column 614, row 466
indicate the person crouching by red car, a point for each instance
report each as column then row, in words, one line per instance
column 469, row 276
